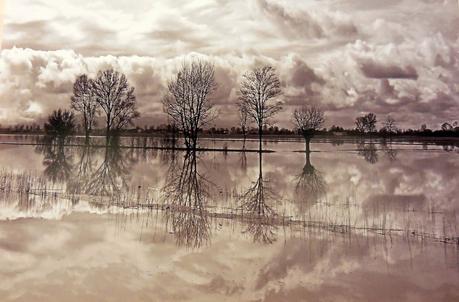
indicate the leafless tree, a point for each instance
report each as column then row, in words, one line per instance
column 243, row 119
column 390, row 126
column 84, row 102
column 366, row 123
column 259, row 88
column 307, row 120
column 188, row 102
column 116, row 99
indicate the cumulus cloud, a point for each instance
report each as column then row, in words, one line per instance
column 351, row 57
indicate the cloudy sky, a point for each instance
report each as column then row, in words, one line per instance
column 397, row 57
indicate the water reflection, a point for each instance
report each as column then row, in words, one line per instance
column 310, row 186
column 186, row 194
column 325, row 223
column 368, row 151
column 56, row 159
column 256, row 202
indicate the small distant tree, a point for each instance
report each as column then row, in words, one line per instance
column 259, row 88
column 60, row 123
column 84, row 102
column 116, row 98
column 366, row 123
column 308, row 119
column 390, row 126
column 188, row 102
column 243, row 118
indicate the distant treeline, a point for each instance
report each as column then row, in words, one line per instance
column 107, row 105
column 164, row 129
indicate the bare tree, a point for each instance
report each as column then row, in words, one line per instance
column 390, row 126
column 307, row 120
column 366, row 123
column 116, row 98
column 243, row 119
column 259, row 88
column 187, row 102
column 84, row 102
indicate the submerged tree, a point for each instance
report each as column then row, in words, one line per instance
column 308, row 119
column 188, row 102
column 258, row 91
column 84, row 102
column 116, row 98
column 60, row 123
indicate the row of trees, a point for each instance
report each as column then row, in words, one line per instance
column 109, row 95
column 189, row 106
column 188, row 102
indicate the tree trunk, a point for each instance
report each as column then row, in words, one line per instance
column 260, row 135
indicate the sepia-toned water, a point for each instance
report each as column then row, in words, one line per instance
column 351, row 220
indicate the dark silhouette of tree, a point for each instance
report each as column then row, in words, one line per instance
column 255, row 204
column 310, row 186
column 188, row 102
column 60, row 123
column 84, row 102
column 116, row 99
column 307, row 120
column 258, row 90
column 185, row 194
column 366, row 123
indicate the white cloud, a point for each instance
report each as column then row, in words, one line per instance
column 348, row 49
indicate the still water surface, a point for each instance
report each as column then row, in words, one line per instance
column 349, row 221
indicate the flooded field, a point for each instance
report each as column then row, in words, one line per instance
column 351, row 220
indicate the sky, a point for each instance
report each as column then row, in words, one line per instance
column 394, row 57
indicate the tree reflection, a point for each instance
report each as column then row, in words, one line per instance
column 186, row 194
column 110, row 177
column 368, row 151
column 255, row 204
column 388, row 150
column 310, row 186
column 57, row 160
column 84, row 168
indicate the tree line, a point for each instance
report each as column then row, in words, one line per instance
column 189, row 107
